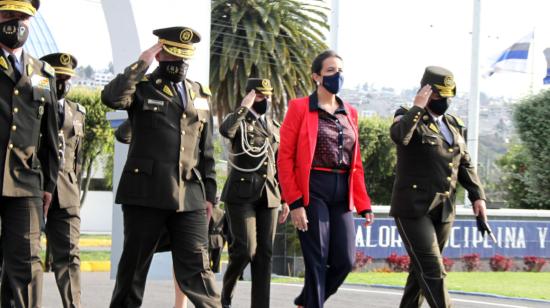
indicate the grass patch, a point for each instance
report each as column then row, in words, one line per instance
column 100, row 255
column 514, row 284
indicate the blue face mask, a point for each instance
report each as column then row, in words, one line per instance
column 333, row 83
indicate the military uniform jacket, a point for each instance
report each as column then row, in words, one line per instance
column 28, row 129
column 71, row 136
column 428, row 168
column 170, row 162
column 250, row 175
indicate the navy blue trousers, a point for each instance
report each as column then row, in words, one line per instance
column 328, row 246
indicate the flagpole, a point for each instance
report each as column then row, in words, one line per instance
column 473, row 106
column 532, row 54
column 334, row 24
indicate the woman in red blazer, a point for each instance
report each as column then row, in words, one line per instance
column 321, row 177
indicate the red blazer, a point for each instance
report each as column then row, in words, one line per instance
column 296, row 150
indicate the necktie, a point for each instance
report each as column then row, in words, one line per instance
column 16, row 71
column 444, row 131
column 179, row 89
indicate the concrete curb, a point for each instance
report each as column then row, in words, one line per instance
column 86, row 242
column 95, row 266
column 454, row 292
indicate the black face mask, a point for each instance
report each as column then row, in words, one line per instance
column 174, row 71
column 260, row 107
column 333, row 83
column 62, row 87
column 13, row 33
column 439, row 106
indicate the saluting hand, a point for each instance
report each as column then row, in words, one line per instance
column 423, row 96
column 149, row 55
column 248, row 100
column 299, row 218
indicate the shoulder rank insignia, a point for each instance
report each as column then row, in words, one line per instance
column 167, row 91
column 3, row 63
column 145, row 78
column 458, row 120
column 48, row 70
column 30, row 69
column 80, row 108
column 205, row 91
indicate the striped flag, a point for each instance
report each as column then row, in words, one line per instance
column 514, row 58
column 546, row 79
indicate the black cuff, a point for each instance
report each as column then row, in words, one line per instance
column 364, row 212
column 296, row 204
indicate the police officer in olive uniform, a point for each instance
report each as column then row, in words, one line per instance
column 29, row 158
column 431, row 159
column 169, row 180
column 251, row 193
column 63, row 221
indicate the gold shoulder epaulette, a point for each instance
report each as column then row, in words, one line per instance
column 458, row 120
column 80, row 108
column 205, row 91
column 46, row 68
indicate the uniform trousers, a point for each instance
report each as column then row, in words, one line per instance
column 63, row 234
column 252, row 226
column 22, row 273
column 188, row 232
column 424, row 238
column 328, row 246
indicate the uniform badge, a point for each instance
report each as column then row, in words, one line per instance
column 40, row 82
column 186, row 35
column 29, row 69
column 40, row 110
column 134, row 66
column 65, row 59
column 167, row 91
column 155, row 102
column 3, row 63
column 201, row 104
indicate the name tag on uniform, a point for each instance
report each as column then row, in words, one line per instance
column 155, row 102
column 40, row 82
column 201, row 104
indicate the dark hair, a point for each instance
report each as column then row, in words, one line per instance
column 317, row 65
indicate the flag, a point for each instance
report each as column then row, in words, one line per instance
column 514, row 58
column 546, row 79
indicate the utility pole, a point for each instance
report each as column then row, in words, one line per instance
column 334, row 24
column 473, row 106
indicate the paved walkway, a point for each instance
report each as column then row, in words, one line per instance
column 159, row 294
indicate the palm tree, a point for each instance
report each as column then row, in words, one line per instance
column 268, row 39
